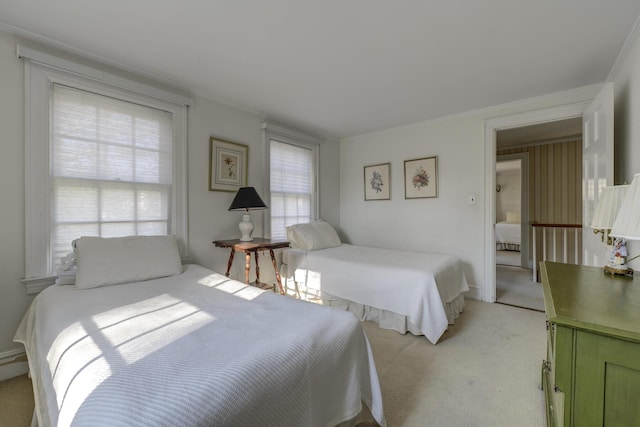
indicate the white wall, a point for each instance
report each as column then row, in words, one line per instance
column 13, row 298
column 209, row 218
column 508, row 199
column 448, row 223
column 626, row 81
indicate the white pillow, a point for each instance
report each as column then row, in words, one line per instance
column 513, row 217
column 110, row 261
column 312, row 236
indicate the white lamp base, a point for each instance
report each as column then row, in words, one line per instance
column 246, row 228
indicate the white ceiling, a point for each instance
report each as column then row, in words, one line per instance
column 342, row 68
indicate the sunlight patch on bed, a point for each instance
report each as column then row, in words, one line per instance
column 120, row 337
column 140, row 328
column 230, row 286
column 75, row 344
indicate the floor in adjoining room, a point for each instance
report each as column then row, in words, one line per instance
column 514, row 286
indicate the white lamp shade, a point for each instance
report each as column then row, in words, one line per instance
column 627, row 223
column 611, row 199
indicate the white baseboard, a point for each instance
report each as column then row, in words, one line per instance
column 9, row 367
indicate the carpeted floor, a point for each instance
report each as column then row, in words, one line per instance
column 485, row 371
column 16, row 397
column 515, row 287
column 508, row 258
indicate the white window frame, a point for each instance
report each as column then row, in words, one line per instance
column 41, row 72
column 291, row 136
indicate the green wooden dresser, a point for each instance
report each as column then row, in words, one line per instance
column 592, row 373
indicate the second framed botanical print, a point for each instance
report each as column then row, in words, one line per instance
column 421, row 178
column 227, row 165
column 377, row 182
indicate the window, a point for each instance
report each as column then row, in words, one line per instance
column 292, row 179
column 111, row 168
column 102, row 159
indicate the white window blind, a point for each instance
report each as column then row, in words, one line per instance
column 111, row 168
column 291, row 186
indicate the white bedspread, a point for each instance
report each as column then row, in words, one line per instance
column 508, row 233
column 195, row 349
column 413, row 284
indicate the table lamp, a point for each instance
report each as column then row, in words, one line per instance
column 607, row 209
column 246, row 199
column 626, row 227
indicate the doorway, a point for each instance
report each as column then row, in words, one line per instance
column 518, row 123
column 514, row 285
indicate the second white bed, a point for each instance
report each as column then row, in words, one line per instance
column 406, row 291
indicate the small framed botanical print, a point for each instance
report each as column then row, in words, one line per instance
column 377, row 182
column 227, row 165
column 421, row 178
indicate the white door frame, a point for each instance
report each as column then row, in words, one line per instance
column 568, row 111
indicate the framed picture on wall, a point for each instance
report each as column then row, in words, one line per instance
column 228, row 169
column 421, row 178
column 377, row 182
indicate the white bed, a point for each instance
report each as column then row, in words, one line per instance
column 407, row 291
column 195, row 348
column 508, row 236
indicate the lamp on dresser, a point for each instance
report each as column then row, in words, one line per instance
column 626, row 227
column 246, row 199
column 609, row 203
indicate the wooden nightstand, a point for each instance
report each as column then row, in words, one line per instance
column 256, row 245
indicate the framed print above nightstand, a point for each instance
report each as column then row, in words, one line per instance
column 377, row 182
column 421, row 178
column 227, row 165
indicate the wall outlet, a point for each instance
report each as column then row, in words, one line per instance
column 472, row 199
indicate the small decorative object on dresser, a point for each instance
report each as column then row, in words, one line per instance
column 421, row 178
column 377, row 182
column 591, row 376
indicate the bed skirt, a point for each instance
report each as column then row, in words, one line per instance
column 507, row 247
column 388, row 319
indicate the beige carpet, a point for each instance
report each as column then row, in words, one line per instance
column 515, row 287
column 508, row 258
column 484, row 372
column 16, row 402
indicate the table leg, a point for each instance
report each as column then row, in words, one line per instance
column 275, row 267
column 247, row 266
column 257, row 270
column 230, row 262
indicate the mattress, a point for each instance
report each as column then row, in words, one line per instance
column 194, row 349
column 426, row 288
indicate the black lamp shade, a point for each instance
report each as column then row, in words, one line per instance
column 247, row 198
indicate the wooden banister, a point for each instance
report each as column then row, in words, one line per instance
column 541, row 224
